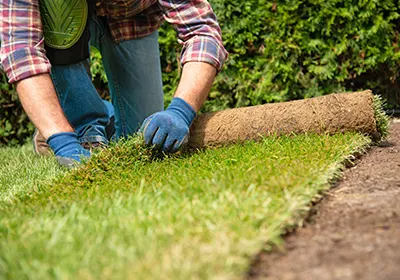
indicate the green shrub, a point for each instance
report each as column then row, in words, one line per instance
column 285, row 50
column 15, row 126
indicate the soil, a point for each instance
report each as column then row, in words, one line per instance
column 331, row 113
column 355, row 230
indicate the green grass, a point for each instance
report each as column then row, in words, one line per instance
column 21, row 171
column 125, row 215
column 382, row 120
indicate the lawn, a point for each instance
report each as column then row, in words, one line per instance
column 127, row 214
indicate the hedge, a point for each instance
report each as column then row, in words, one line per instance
column 279, row 50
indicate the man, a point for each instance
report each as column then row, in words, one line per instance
column 44, row 50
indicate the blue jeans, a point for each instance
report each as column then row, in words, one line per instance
column 88, row 114
column 134, row 78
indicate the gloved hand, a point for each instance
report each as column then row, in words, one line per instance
column 168, row 130
column 67, row 148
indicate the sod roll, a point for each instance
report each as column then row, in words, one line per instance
column 325, row 114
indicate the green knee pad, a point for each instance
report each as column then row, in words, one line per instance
column 66, row 31
column 63, row 21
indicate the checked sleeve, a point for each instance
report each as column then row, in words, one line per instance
column 22, row 53
column 198, row 31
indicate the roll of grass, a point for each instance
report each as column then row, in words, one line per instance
column 342, row 112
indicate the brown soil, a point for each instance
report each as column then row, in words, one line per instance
column 331, row 113
column 355, row 232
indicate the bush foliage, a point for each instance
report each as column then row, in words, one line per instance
column 15, row 126
column 279, row 50
column 284, row 50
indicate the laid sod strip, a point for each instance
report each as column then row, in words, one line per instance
column 199, row 216
column 21, row 171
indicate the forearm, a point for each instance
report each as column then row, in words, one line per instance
column 40, row 101
column 196, row 82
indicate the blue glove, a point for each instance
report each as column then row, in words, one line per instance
column 168, row 130
column 67, row 148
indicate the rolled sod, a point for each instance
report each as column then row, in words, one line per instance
column 334, row 113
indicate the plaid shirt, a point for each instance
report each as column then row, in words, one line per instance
column 22, row 53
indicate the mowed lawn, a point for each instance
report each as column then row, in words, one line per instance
column 127, row 215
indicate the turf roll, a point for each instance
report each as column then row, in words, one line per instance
column 334, row 113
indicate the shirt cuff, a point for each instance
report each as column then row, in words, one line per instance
column 24, row 63
column 204, row 49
